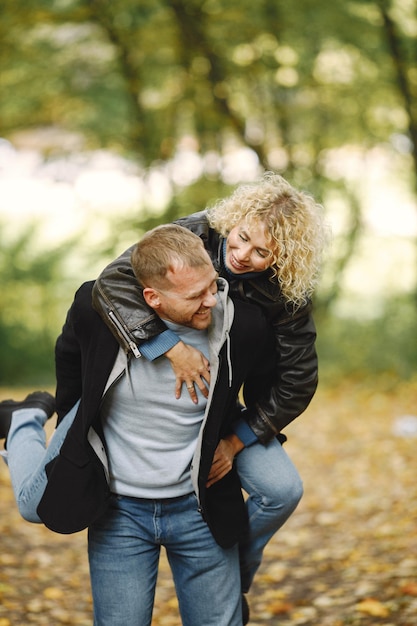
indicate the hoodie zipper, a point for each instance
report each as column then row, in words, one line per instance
column 123, row 333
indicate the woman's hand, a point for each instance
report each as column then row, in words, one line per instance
column 224, row 455
column 190, row 367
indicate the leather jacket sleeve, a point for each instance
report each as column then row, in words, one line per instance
column 278, row 400
column 117, row 297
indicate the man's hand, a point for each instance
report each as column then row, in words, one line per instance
column 190, row 367
column 224, row 455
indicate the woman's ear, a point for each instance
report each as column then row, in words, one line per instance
column 151, row 297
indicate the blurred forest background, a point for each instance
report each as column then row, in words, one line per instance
column 116, row 116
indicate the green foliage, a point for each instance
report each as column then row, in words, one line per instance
column 32, row 307
column 272, row 75
column 27, row 356
column 291, row 82
column 358, row 348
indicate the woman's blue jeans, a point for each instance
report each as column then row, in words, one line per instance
column 27, row 456
column 274, row 490
column 124, row 547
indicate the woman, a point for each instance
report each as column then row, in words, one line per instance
column 266, row 239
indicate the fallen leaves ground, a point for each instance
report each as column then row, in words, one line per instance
column 348, row 555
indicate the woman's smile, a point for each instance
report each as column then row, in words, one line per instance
column 247, row 249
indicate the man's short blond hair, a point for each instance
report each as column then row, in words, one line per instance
column 163, row 249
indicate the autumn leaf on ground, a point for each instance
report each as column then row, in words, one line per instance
column 410, row 589
column 372, row 607
column 53, row 593
column 346, row 556
column 279, row 608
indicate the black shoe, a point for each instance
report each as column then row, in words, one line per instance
column 36, row 400
column 245, row 610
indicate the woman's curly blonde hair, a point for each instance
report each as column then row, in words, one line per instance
column 295, row 228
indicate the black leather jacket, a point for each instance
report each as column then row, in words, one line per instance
column 117, row 297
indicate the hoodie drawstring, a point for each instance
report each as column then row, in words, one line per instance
column 229, row 359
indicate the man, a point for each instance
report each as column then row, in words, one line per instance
column 132, row 464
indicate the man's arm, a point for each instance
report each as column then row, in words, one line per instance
column 223, row 458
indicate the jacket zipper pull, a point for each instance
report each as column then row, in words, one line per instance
column 124, row 335
column 134, row 349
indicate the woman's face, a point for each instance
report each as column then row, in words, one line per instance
column 247, row 249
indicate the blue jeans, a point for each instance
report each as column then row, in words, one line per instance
column 27, row 456
column 124, row 547
column 266, row 472
column 274, row 488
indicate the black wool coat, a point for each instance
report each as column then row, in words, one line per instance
column 77, row 491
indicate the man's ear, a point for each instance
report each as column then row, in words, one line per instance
column 151, row 297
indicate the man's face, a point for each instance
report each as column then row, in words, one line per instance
column 188, row 299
